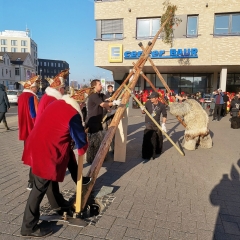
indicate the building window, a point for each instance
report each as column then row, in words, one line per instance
column 23, row 49
column 2, row 72
column 147, row 27
column 13, row 49
column 44, row 64
column 227, row 24
column 51, row 64
column 3, row 49
column 3, row 41
column 10, row 73
column 112, row 29
column 59, row 65
column 192, row 26
column 17, row 71
column 23, row 43
column 14, row 42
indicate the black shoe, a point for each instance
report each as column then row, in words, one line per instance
column 30, row 186
column 39, row 232
column 67, row 204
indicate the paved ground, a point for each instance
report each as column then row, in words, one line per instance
column 172, row 197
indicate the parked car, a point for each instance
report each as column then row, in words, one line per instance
column 13, row 96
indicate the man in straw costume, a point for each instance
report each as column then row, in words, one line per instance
column 27, row 111
column 55, row 92
column 60, row 123
column 196, row 119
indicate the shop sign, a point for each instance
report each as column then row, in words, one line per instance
column 162, row 54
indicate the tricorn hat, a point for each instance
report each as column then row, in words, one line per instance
column 59, row 79
column 32, row 82
column 81, row 94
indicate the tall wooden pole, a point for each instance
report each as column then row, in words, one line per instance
column 99, row 158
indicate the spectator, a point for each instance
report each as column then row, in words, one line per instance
column 218, row 96
column 4, row 106
column 225, row 99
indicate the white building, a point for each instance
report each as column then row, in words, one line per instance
column 19, row 41
column 15, row 67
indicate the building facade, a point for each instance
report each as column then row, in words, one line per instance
column 15, row 67
column 205, row 51
column 19, row 41
column 48, row 68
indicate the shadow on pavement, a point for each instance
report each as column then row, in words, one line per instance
column 226, row 195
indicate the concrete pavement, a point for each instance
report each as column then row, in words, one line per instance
column 172, row 197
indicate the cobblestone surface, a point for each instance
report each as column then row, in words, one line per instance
column 172, row 197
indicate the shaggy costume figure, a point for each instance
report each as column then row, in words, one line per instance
column 196, row 120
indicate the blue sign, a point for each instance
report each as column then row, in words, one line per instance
column 173, row 53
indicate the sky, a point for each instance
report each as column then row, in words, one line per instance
column 63, row 30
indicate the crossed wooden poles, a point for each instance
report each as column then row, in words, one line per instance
column 83, row 194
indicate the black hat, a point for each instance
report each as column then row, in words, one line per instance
column 154, row 95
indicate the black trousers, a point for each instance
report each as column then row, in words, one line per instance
column 224, row 110
column 32, row 210
column 217, row 111
column 2, row 117
column 152, row 143
column 53, row 193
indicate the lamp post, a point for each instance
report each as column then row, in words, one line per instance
column 19, row 59
column 40, row 80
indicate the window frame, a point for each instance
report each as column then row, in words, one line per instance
column 150, row 28
column 14, row 43
column 4, row 42
column 229, row 33
column 195, row 35
column 114, row 34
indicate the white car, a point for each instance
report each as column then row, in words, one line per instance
column 13, row 96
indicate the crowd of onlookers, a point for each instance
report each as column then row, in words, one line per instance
column 218, row 103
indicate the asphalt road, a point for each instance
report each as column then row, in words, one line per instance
column 13, row 111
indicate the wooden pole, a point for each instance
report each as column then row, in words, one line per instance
column 155, row 122
column 79, row 185
column 164, row 84
column 99, row 158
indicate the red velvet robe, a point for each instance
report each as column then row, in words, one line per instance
column 47, row 147
column 27, row 109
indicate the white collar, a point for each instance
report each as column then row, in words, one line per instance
column 30, row 91
column 74, row 104
column 53, row 93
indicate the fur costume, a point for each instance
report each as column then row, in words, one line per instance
column 196, row 120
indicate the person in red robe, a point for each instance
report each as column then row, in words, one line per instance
column 47, row 152
column 27, row 111
column 53, row 93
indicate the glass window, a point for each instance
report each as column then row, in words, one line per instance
column 23, row 43
column 173, row 82
column 186, row 83
column 151, row 77
column 236, row 23
column 44, row 64
column 3, row 41
column 200, row 83
column 112, row 29
column 192, row 26
column 17, row 71
column 23, row 49
column 147, row 28
column 230, row 79
column 158, row 83
column 14, row 42
column 3, row 49
column 237, row 79
column 227, row 24
column 13, row 49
